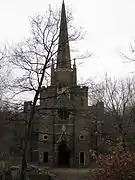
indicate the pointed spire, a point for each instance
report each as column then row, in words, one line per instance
column 52, row 65
column 52, row 73
column 74, row 65
column 74, row 72
column 63, row 57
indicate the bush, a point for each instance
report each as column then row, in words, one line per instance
column 118, row 165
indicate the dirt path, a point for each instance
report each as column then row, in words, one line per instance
column 70, row 174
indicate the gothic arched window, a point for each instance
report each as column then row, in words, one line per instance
column 82, row 158
column 63, row 113
column 59, row 87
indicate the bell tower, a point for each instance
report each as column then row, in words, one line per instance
column 63, row 56
column 62, row 119
column 63, row 75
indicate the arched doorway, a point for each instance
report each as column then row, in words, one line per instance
column 64, row 154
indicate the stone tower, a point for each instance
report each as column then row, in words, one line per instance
column 62, row 124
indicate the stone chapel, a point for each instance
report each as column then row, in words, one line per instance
column 64, row 127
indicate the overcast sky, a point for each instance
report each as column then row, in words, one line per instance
column 110, row 26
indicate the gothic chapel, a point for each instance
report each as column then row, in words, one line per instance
column 63, row 121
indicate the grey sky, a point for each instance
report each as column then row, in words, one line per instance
column 110, row 26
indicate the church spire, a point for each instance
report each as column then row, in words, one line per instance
column 63, row 57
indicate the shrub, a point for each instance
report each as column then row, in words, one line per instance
column 118, row 165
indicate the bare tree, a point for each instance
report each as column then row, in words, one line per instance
column 32, row 59
column 119, row 100
column 5, row 74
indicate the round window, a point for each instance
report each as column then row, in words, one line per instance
column 45, row 137
column 81, row 137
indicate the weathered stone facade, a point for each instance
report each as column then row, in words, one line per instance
column 64, row 124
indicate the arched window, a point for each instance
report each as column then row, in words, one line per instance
column 59, row 87
column 63, row 113
column 82, row 158
column 45, row 157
